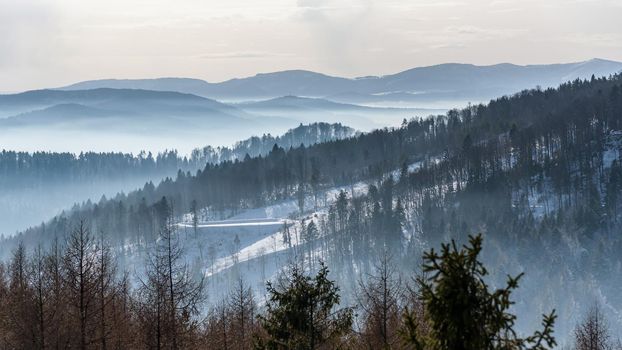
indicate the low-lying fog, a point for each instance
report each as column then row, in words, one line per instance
column 104, row 137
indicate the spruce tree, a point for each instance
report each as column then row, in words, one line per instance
column 462, row 312
column 301, row 313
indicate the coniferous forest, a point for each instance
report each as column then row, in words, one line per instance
column 495, row 226
column 69, row 178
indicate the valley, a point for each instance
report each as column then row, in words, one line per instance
column 536, row 173
column 311, row 175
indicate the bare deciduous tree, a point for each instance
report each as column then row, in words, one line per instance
column 378, row 299
column 593, row 332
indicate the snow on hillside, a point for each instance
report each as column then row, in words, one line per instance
column 541, row 198
column 249, row 243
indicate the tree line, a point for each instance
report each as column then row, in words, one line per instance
column 25, row 169
column 73, row 296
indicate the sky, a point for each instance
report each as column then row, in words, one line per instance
column 50, row 43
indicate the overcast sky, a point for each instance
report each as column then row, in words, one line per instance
column 53, row 43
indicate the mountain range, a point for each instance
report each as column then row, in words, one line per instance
column 447, row 82
column 180, row 113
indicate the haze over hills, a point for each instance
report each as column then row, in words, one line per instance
column 310, row 109
column 128, row 120
column 180, row 113
column 423, row 86
column 136, row 119
column 127, row 110
column 120, row 100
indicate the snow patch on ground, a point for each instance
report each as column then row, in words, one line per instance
column 251, row 243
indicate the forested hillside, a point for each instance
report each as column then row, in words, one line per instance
column 67, row 178
column 537, row 173
column 260, row 146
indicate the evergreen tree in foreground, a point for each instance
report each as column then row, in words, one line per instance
column 300, row 313
column 462, row 313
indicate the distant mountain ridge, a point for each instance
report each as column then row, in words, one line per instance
column 291, row 101
column 50, row 106
column 104, row 98
column 309, row 109
column 133, row 110
column 127, row 120
column 443, row 81
column 59, row 113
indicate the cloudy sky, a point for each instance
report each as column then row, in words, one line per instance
column 51, row 43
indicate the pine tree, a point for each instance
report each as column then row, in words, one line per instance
column 300, row 313
column 463, row 314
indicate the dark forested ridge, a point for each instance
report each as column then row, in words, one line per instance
column 538, row 173
column 260, row 146
column 26, row 169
